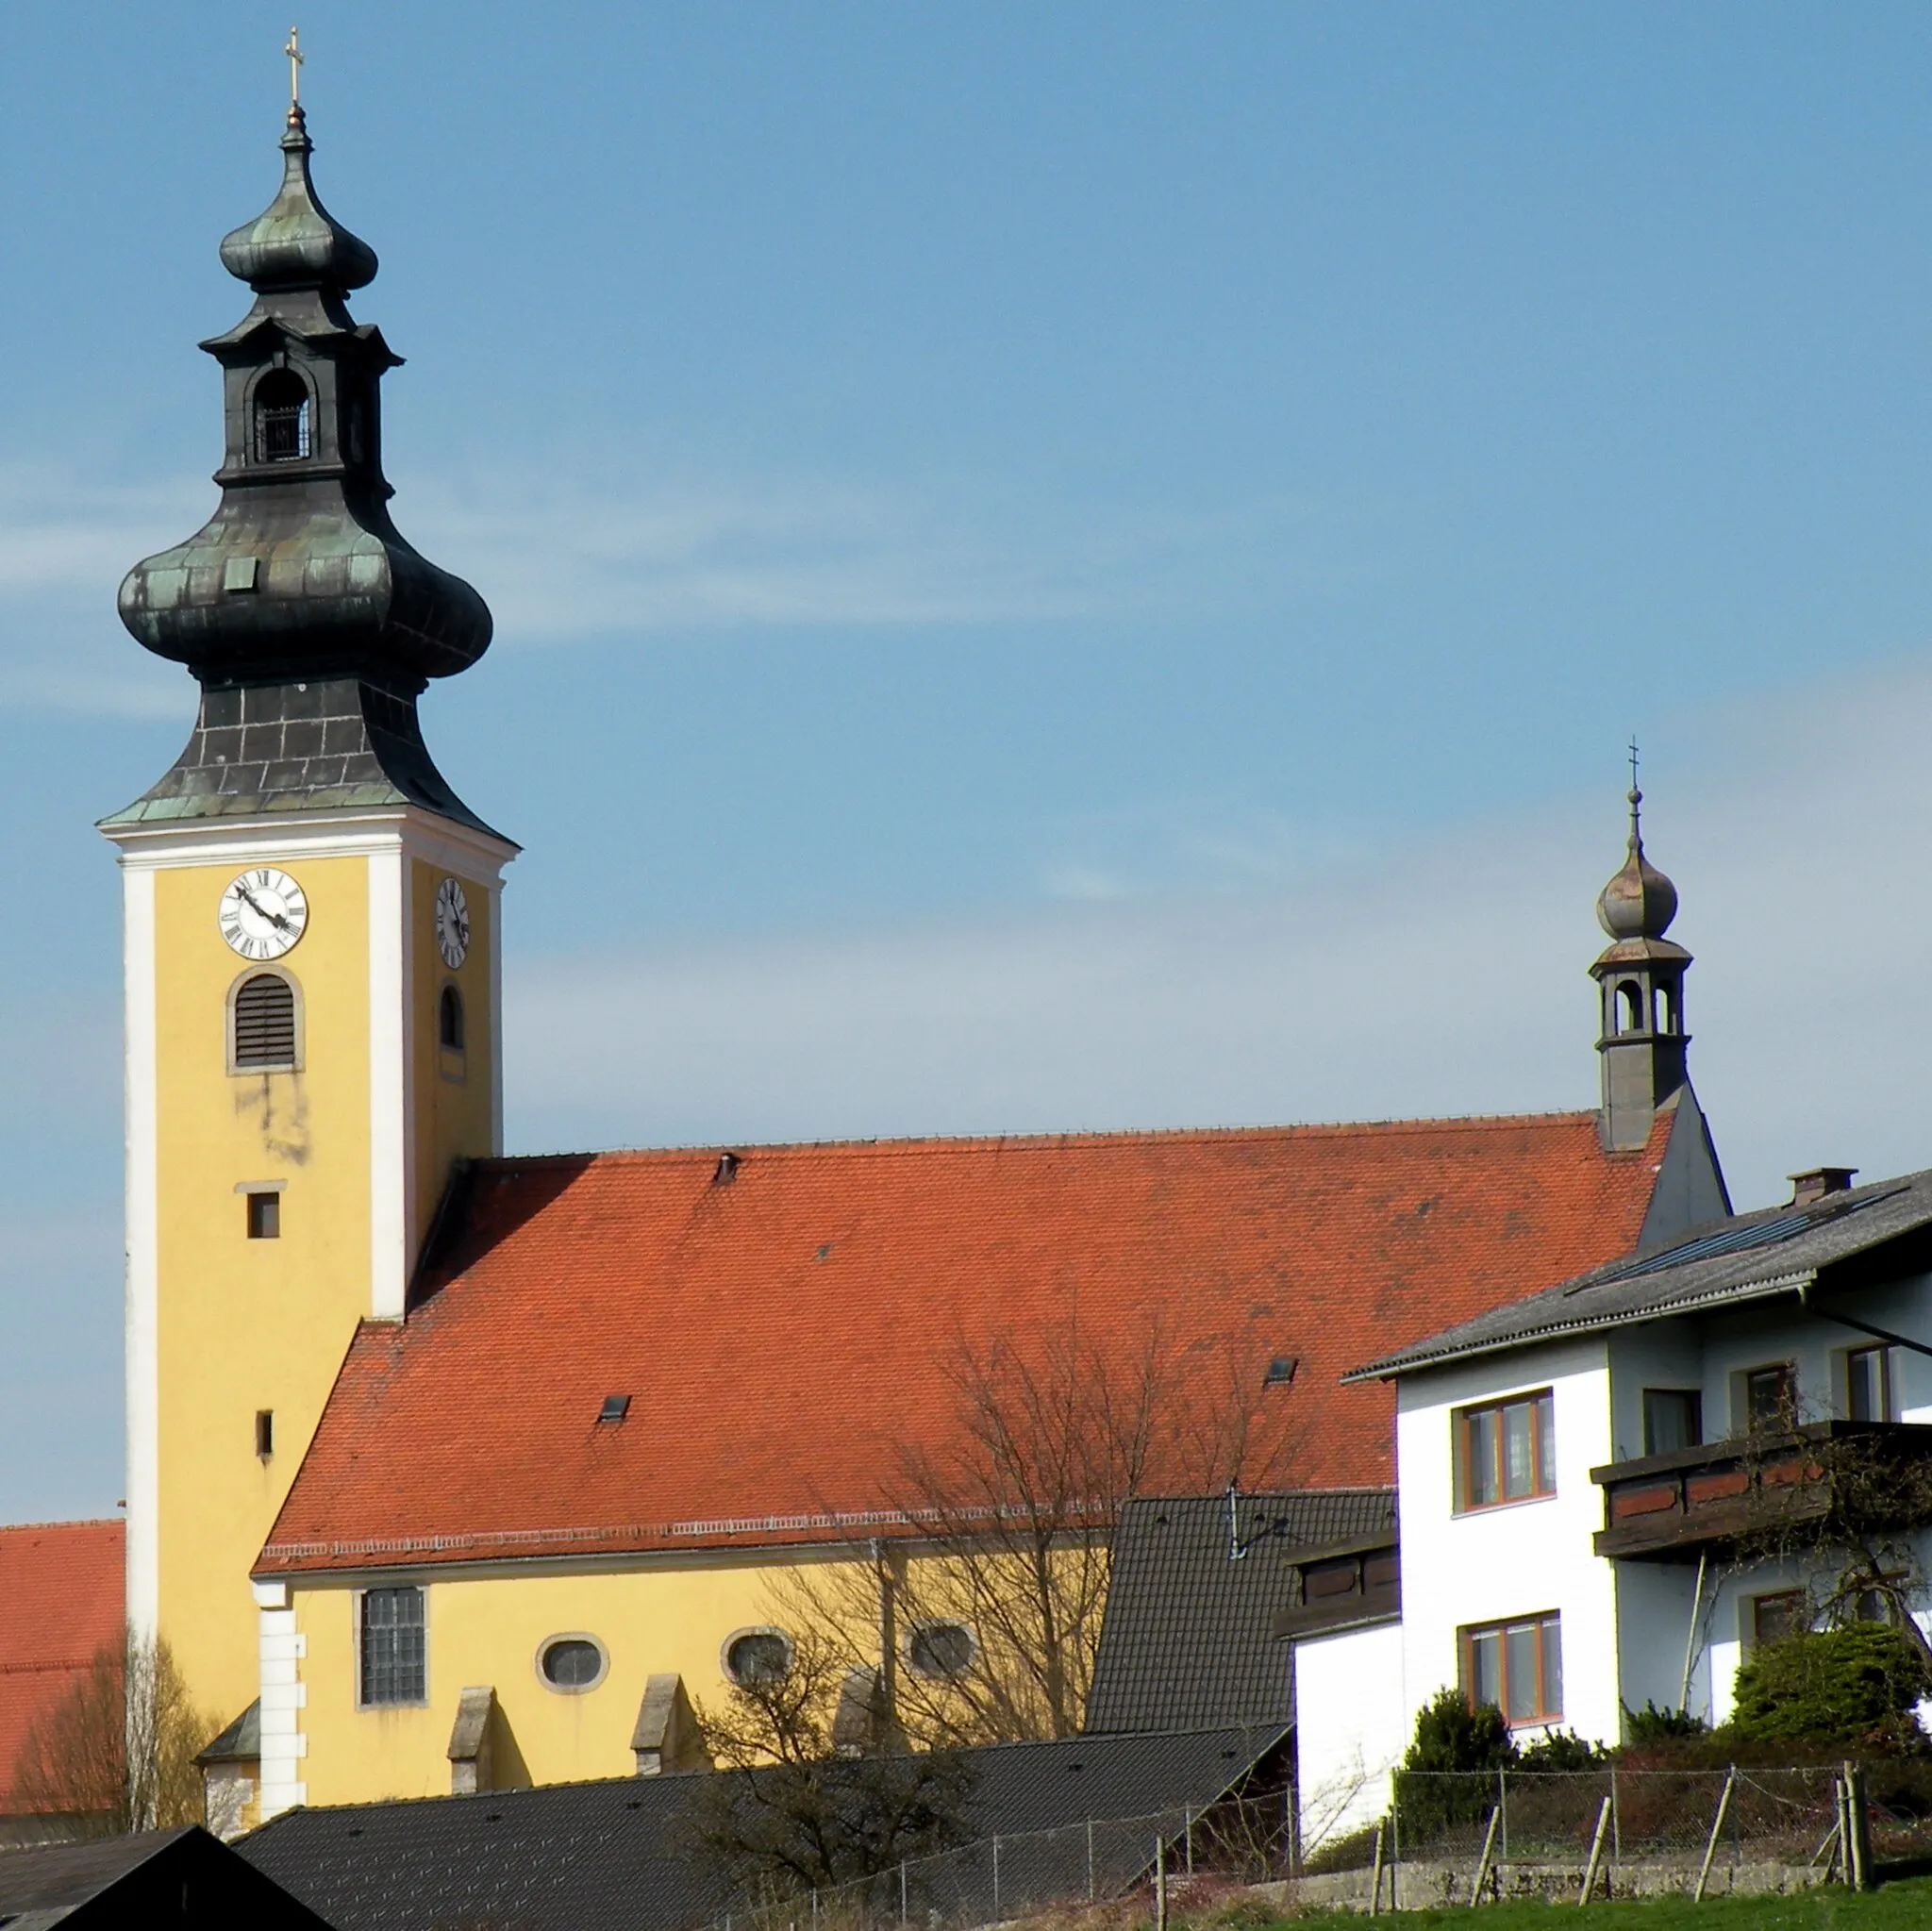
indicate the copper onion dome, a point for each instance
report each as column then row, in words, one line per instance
column 1640, row 902
column 296, row 242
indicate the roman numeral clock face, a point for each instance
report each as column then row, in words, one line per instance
column 452, row 923
column 263, row 913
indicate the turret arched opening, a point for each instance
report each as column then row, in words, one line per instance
column 1629, row 1007
column 283, row 418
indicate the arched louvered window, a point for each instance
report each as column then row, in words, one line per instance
column 449, row 1025
column 262, row 1025
column 281, row 417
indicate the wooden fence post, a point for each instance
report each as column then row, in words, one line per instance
column 1859, row 1846
column 1482, row 1869
column 1596, row 1852
column 1376, row 1872
column 1717, row 1830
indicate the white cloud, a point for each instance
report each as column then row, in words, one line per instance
column 559, row 558
column 1446, row 979
column 559, row 561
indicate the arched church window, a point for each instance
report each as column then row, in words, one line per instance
column 449, row 1022
column 262, row 1031
column 1629, row 1007
column 281, row 417
column 1666, row 1010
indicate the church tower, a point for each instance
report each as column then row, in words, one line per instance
column 1640, row 978
column 311, row 932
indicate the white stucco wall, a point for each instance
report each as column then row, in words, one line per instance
column 1519, row 1558
column 1352, row 1722
column 1625, row 1625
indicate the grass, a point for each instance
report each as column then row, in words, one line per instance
column 1893, row 1907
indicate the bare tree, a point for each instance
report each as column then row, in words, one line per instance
column 117, row 1753
column 1842, row 1506
column 980, row 1615
column 787, row 1812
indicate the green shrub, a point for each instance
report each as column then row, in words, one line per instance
column 1563, row 1750
column 1448, row 1777
column 1854, row 1684
column 1449, row 1735
column 1650, row 1725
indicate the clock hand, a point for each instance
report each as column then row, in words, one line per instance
column 260, row 910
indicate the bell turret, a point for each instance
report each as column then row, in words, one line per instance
column 1641, row 982
column 310, row 622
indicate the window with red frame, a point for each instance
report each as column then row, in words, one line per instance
column 1505, row 1451
column 1516, row 1665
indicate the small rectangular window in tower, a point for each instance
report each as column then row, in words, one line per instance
column 264, row 1216
column 264, row 1432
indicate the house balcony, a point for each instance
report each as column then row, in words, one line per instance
column 1756, row 1490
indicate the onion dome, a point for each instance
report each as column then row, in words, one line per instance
column 296, row 242
column 301, row 573
column 1640, row 902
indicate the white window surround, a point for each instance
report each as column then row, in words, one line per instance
column 550, row 1642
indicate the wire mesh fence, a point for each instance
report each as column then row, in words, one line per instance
column 1444, row 1838
column 1454, row 1836
column 995, row 1879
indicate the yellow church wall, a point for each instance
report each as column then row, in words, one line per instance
column 246, row 1325
column 487, row 1630
column 455, row 1092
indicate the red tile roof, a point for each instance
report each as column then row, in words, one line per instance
column 62, row 1597
column 779, row 1335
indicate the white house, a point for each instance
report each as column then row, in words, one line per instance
column 1609, row 1492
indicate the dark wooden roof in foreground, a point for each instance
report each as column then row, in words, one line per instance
column 620, row 1855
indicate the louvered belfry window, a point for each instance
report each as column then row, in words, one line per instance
column 265, row 1023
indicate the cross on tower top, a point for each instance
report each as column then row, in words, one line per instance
column 293, row 50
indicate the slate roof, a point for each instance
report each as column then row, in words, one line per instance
column 733, row 1313
column 1840, row 1240
column 1187, row 1640
column 596, row 1857
column 62, row 1597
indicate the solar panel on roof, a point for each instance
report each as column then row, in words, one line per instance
column 1725, row 1240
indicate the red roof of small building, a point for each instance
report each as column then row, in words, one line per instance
column 62, row 1596
column 780, row 1334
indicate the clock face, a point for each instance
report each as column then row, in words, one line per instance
column 452, row 923
column 263, row 913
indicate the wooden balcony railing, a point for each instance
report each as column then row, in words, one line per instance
column 1668, row 1508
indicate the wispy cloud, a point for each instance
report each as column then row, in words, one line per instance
column 558, row 561
column 563, row 557
column 1446, row 978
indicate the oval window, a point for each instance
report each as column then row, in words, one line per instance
column 940, row 1649
column 758, row 1655
column 572, row 1662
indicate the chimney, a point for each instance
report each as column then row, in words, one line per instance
column 1819, row 1181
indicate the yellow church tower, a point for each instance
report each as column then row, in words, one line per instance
column 312, row 978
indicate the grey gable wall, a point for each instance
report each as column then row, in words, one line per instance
column 1689, row 1188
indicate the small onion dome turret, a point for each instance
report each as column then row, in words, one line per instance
column 296, row 242
column 1640, row 902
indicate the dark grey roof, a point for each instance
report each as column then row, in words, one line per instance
column 1187, row 1640
column 585, row 1856
column 240, row 1742
column 1843, row 1239
column 141, row 1880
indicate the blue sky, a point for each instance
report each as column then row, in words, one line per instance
column 1055, row 565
